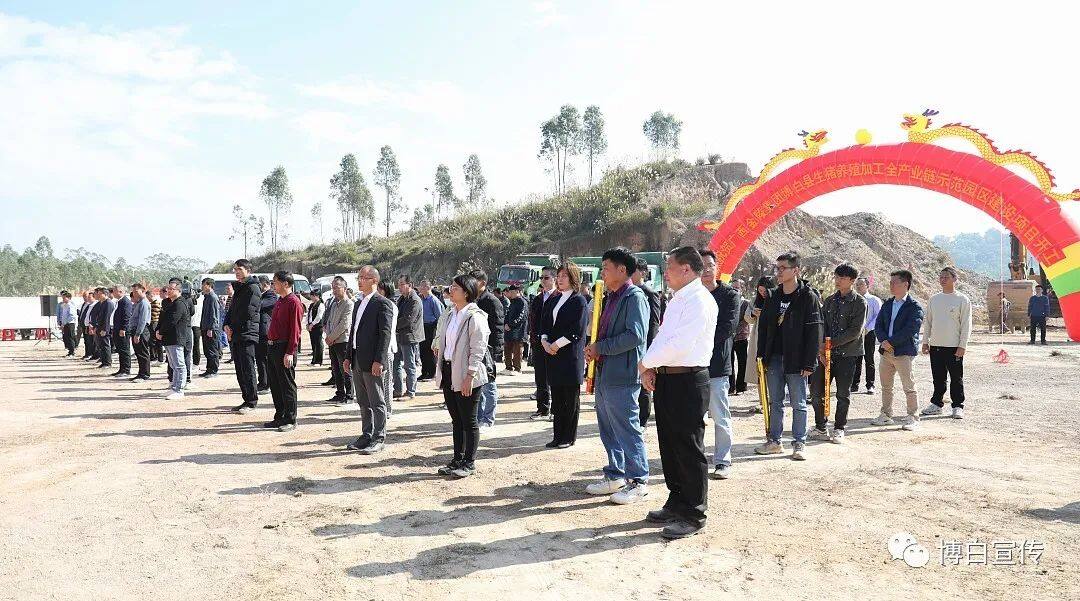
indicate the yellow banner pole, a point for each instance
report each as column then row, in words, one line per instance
column 594, row 331
column 763, row 393
column 828, row 377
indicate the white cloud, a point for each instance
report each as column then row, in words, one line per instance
column 441, row 98
column 547, row 14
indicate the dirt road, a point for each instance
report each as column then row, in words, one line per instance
column 110, row 492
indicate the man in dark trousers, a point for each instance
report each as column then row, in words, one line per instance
column 433, row 309
column 516, row 315
column 640, row 279
column 843, row 315
column 101, row 318
column 242, row 329
column 139, row 329
column 369, row 343
column 410, row 332
column 489, row 393
column 338, row 326
column 283, row 340
column 267, row 300
column 536, row 310
column 676, row 369
column 86, row 325
column 1038, row 310
column 210, row 327
column 121, row 341
column 66, row 320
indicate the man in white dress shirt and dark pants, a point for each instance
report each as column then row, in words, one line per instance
column 676, row 370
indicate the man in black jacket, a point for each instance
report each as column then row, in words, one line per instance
column 210, row 327
column 788, row 346
column 536, row 311
column 843, row 316
column 174, row 331
column 120, row 338
column 369, row 343
column 514, row 328
column 267, row 300
column 101, row 318
column 640, row 277
column 242, row 329
column 410, row 333
column 489, row 393
column 727, row 317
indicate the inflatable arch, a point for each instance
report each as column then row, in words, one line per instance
column 1031, row 211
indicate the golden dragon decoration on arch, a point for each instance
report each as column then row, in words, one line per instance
column 812, row 141
column 918, row 130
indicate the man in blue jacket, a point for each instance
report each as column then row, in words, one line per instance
column 897, row 328
column 619, row 346
column 1038, row 310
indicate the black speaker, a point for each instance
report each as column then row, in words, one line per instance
column 48, row 305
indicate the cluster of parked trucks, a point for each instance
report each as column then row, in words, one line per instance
column 524, row 271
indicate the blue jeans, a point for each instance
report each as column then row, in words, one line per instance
column 405, row 361
column 621, row 432
column 489, row 398
column 178, row 363
column 795, row 387
column 721, row 416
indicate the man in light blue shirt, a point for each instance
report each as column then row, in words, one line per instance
column 433, row 309
column 138, row 327
column 873, row 307
column 65, row 319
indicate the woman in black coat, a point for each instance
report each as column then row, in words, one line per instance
column 562, row 336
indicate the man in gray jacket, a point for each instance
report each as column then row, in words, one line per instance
column 210, row 328
column 410, row 333
column 337, row 324
column 844, row 314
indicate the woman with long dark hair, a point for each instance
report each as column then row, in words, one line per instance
column 762, row 291
column 460, row 348
column 562, row 336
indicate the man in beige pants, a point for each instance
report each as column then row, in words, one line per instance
column 897, row 328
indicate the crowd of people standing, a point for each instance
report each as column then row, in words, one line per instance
column 673, row 360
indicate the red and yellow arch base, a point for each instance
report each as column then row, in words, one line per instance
column 1019, row 205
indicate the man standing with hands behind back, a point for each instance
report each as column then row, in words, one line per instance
column 242, row 330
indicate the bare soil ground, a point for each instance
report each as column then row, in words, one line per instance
column 110, row 492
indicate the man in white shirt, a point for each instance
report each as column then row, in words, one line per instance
column 676, row 369
column 870, row 345
column 946, row 330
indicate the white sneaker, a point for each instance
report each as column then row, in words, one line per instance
column 838, row 436
column 798, row 451
column 911, row 424
column 190, row 386
column 631, row 493
column 174, row 396
column 769, row 448
column 958, row 413
column 816, row 434
column 605, row 486
column 931, row 409
column 883, row 420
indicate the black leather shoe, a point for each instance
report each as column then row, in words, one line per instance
column 552, row 444
column 272, row 424
column 680, row 529
column 661, row 516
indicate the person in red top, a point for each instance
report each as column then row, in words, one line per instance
column 283, row 339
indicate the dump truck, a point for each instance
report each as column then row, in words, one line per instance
column 524, row 271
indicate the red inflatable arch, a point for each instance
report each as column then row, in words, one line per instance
column 1019, row 205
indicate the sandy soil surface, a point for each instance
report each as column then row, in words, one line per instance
column 110, row 492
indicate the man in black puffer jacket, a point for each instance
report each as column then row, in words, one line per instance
column 242, row 329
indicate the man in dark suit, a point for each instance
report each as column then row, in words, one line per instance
column 267, row 301
column 536, row 311
column 656, row 309
column 369, row 342
column 84, row 325
column 210, row 327
column 120, row 338
column 242, row 329
column 410, row 333
column 101, row 317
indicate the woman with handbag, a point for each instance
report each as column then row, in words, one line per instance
column 461, row 347
column 562, row 336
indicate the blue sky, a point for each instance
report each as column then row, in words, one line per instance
column 152, row 121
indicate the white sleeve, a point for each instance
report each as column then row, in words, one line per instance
column 965, row 322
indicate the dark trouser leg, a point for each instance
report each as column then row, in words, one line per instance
column 508, row 355
column 843, row 373
column 157, row 353
column 817, row 397
column 737, row 379
column 470, row 427
column 260, row 364
column 644, row 406
column 212, row 348
column 104, row 346
column 188, row 352
column 88, row 343
column 1040, row 324
column 282, row 384
column 518, row 346
column 457, row 420
column 427, row 357
column 196, row 345
column 243, row 354
column 681, row 403
column 543, row 393
column 342, row 383
column 316, row 345
column 869, row 353
column 67, row 333
column 123, row 348
column 566, row 407
column 956, row 380
column 939, row 369
column 142, row 354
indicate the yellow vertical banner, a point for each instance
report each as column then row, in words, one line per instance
column 594, row 331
